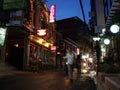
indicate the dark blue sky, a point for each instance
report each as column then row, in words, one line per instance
column 70, row 8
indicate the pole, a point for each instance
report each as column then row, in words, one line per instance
column 98, row 54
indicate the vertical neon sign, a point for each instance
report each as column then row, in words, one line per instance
column 52, row 13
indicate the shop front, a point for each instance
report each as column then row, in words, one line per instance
column 40, row 55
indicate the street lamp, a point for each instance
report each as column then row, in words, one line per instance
column 106, row 41
column 114, row 28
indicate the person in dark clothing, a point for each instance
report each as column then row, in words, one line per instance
column 78, row 63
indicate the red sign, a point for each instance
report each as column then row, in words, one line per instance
column 41, row 32
column 53, row 48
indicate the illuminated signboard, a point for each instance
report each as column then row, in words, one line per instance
column 41, row 32
column 52, row 13
column 3, row 32
column 53, row 48
column 13, row 4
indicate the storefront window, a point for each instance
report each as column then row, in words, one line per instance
column 46, row 55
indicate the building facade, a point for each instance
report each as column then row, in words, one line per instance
column 30, row 34
column 111, row 9
column 104, row 14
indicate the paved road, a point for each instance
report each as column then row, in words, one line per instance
column 48, row 80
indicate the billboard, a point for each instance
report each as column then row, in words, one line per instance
column 3, row 32
column 13, row 4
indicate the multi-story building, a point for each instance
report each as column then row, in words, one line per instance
column 104, row 13
column 97, row 16
column 30, row 33
column 75, row 35
column 111, row 11
column 97, row 22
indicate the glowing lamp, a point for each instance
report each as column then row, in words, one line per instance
column 84, row 71
column 106, row 41
column 96, row 38
column 114, row 28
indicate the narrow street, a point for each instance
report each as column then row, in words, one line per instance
column 45, row 80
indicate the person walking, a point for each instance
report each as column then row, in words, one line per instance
column 78, row 63
column 70, row 60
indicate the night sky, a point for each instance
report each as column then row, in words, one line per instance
column 70, row 8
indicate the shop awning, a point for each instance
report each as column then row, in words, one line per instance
column 40, row 41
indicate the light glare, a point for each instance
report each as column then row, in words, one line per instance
column 114, row 28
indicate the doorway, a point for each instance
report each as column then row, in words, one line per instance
column 14, row 56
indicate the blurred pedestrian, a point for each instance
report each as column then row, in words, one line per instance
column 70, row 60
column 78, row 63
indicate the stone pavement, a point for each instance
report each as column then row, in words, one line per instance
column 44, row 80
column 6, row 69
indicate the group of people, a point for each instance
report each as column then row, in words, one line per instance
column 73, row 60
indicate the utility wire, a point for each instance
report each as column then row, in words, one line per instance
column 81, row 5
